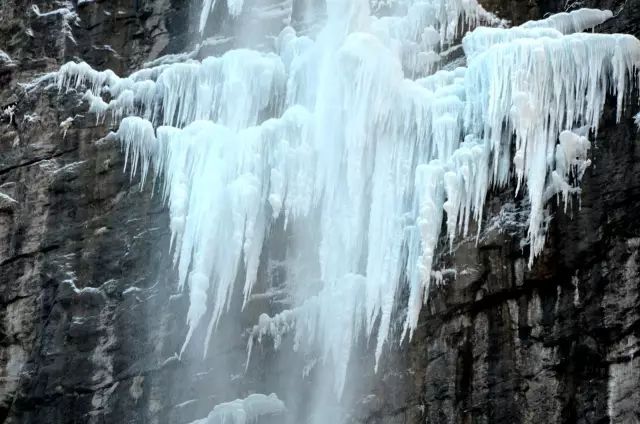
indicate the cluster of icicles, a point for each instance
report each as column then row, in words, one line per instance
column 361, row 163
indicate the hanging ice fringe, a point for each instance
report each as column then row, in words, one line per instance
column 370, row 161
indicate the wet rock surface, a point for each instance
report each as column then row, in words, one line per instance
column 90, row 322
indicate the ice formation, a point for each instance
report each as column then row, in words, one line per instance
column 570, row 22
column 66, row 15
column 5, row 58
column 244, row 411
column 362, row 163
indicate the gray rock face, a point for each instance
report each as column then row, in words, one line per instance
column 85, row 277
column 90, row 323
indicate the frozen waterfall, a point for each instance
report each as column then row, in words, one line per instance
column 364, row 143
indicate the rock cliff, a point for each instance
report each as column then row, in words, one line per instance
column 90, row 321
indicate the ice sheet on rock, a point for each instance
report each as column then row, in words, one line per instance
column 66, row 14
column 570, row 22
column 244, row 411
column 170, row 59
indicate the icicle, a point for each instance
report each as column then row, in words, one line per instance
column 140, row 145
column 429, row 204
column 207, row 8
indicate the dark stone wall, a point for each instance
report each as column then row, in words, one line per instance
column 86, row 326
column 90, row 323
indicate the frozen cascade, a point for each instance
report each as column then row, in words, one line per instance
column 243, row 411
column 381, row 159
